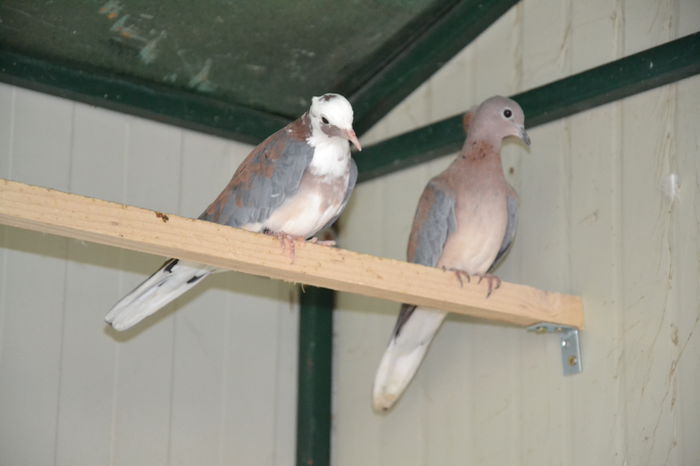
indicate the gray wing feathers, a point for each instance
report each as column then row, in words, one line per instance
column 432, row 233
column 428, row 237
column 271, row 182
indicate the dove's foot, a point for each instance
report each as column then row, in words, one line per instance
column 322, row 242
column 490, row 279
column 459, row 274
column 287, row 243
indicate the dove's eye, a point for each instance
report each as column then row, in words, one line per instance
column 507, row 113
column 324, row 120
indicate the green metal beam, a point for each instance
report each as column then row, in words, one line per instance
column 636, row 73
column 314, row 377
column 413, row 65
column 131, row 95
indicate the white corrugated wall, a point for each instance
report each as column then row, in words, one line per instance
column 212, row 380
column 595, row 221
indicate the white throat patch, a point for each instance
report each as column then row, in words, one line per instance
column 331, row 154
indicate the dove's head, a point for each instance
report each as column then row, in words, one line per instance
column 497, row 118
column 331, row 114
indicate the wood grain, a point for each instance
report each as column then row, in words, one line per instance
column 90, row 219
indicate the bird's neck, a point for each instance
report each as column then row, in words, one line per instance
column 479, row 164
column 331, row 155
column 481, row 152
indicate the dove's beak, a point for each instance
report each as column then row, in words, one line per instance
column 352, row 137
column 523, row 135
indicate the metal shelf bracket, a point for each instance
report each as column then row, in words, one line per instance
column 570, row 345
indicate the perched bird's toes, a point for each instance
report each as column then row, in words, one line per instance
column 323, row 242
column 287, row 243
column 490, row 280
column 459, row 277
column 292, row 248
column 283, row 240
column 459, row 274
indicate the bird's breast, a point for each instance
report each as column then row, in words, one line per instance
column 318, row 200
column 481, row 221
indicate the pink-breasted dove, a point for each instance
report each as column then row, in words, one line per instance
column 294, row 184
column 465, row 222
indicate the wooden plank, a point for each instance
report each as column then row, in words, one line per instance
column 91, row 219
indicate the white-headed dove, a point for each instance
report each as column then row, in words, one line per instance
column 294, row 184
column 465, row 222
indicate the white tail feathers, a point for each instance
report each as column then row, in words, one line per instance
column 170, row 281
column 403, row 356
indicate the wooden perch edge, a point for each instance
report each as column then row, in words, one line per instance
column 90, row 219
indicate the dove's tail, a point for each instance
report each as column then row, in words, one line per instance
column 406, row 350
column 167, row 283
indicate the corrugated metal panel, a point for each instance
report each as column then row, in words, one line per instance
column 209, row 381
column 595, row 221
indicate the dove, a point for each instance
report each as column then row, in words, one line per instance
column 465, row 222
column 293, row 185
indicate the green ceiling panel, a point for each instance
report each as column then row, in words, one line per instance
column 267, row 55
column 212, row 63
